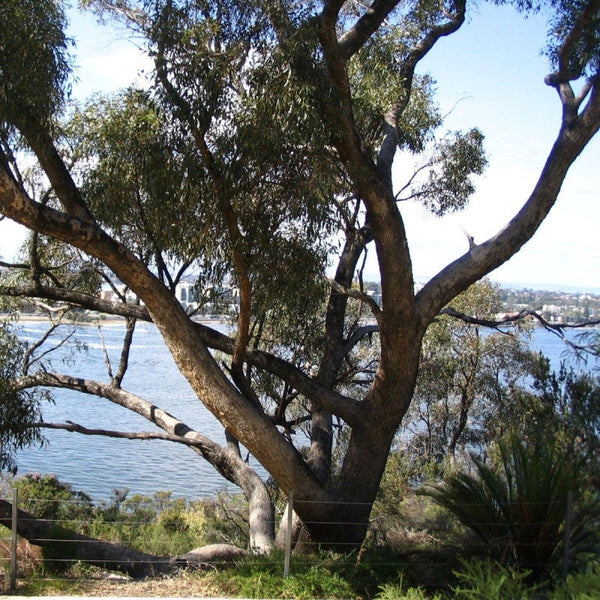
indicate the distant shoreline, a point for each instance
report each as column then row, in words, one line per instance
column 112, row 320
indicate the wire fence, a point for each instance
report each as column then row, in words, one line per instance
column 106, row 544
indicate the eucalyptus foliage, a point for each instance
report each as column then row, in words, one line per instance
column 34, row 60
column 473, row 385
column 18, row 408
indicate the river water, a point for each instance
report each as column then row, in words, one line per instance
column 97, row 465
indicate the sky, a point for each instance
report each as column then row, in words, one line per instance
column 489, row 75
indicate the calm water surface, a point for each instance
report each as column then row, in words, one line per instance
column 98, row 465
column 95, row 464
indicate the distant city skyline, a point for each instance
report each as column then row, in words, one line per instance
column 489, row 75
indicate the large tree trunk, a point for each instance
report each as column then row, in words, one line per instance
column 340, row 516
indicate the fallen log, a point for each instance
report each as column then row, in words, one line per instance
column 65, row 544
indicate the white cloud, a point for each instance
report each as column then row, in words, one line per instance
column 105, row 59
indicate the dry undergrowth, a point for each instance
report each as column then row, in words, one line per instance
column 184, row 585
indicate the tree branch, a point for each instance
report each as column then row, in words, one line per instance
column 569, row 45
column 482, row 259
column 56, row 170
column 555, row 328
column 80, row 299
column 127, row 435
column 357, row 294
column 175, row 429
column 356, row 37
column 340, row 405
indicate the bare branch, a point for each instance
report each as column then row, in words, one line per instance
column 7, row 265
column 127, row 435
column 29, row 359
column 555, row 328
column 412, row 178
column 105, row 352
column 375, row 309
column 81, row 299
column 124, row 360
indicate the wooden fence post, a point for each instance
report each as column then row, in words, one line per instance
column 288, row 535
column 13, row 540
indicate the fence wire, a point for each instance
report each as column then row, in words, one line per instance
column 63, row 540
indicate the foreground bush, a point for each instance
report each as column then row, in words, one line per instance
column 518, row 507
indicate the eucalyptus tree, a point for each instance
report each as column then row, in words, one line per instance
column 263, row 152
column 470, row 377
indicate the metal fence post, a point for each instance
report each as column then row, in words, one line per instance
column 13, row 540
column 288, row 535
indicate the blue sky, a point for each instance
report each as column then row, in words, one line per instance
column 490, row 75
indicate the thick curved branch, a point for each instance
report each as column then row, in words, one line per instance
column 482, row 259
column 43, row 532
column 54, row 167
column 208, row 449
column 229, row 464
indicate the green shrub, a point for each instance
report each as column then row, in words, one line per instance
column 489, row 580
column 584, row 585
column 46, row 497
column 59, row 552
column 262, row 577
column 397, row 591
column 518, row 507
